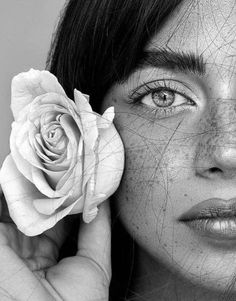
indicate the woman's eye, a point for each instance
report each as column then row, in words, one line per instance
column 163, row 99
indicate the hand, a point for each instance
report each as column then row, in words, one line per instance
column 29, row 269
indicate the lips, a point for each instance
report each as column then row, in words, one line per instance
column 214, row 218
column 211, row 208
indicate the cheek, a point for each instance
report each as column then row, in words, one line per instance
column 148, row 199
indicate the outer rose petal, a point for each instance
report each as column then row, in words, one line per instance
column 20, row 201
column 108, row 173
column 26, row 86
column 88, row 119
column 111, row 161
column 106, row 119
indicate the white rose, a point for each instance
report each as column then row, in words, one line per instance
column 64, row 158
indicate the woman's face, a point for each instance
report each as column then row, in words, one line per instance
column 177, row 118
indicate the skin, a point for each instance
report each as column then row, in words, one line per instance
column 175, row 162
column 29, row 266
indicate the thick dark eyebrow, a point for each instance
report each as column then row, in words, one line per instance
column 174, row 61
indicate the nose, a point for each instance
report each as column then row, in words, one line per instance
column 216, row 149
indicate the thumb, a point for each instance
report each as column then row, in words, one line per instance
column 95, row 239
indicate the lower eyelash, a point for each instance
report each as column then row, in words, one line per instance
column 162, row 112
column 155, row 112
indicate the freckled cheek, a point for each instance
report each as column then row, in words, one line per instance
column 151, row 168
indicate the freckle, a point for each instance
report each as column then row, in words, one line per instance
column 185, row 195
column 186, row 157
column 165, row 245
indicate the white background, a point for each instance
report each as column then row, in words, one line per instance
column 26, row 27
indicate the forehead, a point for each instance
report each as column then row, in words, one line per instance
column 205, row 27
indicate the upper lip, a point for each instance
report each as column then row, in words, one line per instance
column 211, row 208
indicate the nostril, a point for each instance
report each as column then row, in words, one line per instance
column 215, row 170
column 210, row 172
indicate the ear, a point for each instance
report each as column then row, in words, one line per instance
column 28, row 85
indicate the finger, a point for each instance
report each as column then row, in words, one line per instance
column 17, row 281
column 95, row 239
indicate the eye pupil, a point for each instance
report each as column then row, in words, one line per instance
column 163, row 98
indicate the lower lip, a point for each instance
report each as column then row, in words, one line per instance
column 218, row 228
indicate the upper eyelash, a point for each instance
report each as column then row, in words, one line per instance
column 136, row 96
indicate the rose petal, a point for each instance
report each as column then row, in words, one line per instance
column 85, row 95
column 50, row 157
column 35, row 112
column 55, row 101
column 48, row 206
column 44, row 153
column 79, row 162
column 23, row 165
column 71, row 131
column 53, row 177
column 90, row 164
column 41, row 147
column 89, row 213
column 91, row 202
column 23, row 139
column 88, row 119
column 111, row 161
column 33, row 170
column 107, row 174
column 74, row 182
column 19, row 200
column 61, row 164
column 73, row 178
column 106, row 119
column 28, row 85
column 48, row 117
column 42, row 184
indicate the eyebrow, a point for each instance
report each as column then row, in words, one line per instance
column 174, row 60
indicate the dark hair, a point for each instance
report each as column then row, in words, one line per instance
column 99, row 43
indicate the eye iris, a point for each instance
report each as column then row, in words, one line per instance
column 163, row 98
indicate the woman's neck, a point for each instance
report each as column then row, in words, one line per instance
column 153, row 281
